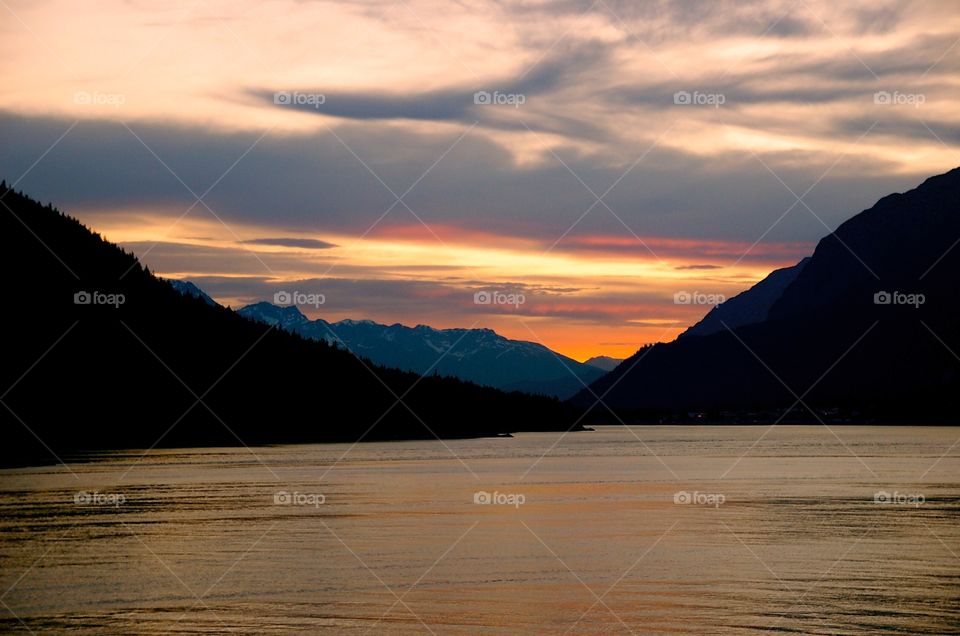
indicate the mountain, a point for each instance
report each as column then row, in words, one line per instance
column 187, row 288
column 868, row 329
column 99, row 353
column 604, row 363
column 476, row 355
column 749, row 307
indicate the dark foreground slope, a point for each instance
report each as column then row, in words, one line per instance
column 749, row 307
column 832, row 338
column 171, row 369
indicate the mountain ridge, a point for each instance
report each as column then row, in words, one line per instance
column 115, row 357
column 750, row 306
column 604, row 363
column 841, row 337
column 477, row 355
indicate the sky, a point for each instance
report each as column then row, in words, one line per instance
column 591, row 175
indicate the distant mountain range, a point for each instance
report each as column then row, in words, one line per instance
column 100, row 353
column 476, row 355
column 867, row 328
column 604, row 363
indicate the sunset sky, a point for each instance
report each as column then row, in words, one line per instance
column 341, row 147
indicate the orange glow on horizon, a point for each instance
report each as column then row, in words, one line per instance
column 580, row 303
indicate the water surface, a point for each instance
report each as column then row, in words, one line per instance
column 649, row 530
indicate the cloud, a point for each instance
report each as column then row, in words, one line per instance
column 412, row 301
column 323, row 184
column 533, row 90
column 919, row 128
column 596, row 169
column 312, row 244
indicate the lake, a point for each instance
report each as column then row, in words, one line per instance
column 649, row 530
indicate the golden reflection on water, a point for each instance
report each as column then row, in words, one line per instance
column 692, row 531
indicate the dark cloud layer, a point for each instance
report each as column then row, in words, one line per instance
column 312, row 244
column 534, row 90
column 315, row 183
column 413, row 301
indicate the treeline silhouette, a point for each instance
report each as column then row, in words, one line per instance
column 850, row 354
column 167, row 369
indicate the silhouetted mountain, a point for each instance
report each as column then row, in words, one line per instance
column 475, row 355
column 99, row 353
column 604, row 363
column 187, row 288
column 849, row 334
column 749, row 307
